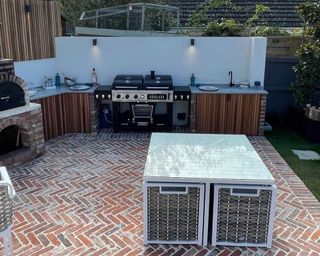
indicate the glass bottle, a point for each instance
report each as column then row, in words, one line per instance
column 193, row 80
column 57, row 80
column 94, row 77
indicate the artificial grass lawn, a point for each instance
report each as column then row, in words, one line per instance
column 308, row 171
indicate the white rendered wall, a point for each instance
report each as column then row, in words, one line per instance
column 34, row 71
column 210, row 59
column 258, row 60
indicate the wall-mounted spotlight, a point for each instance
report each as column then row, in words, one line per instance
column 94, row 41
column 192, row 41
column 28, row 8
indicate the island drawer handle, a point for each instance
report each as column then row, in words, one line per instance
column 245, row 192
column 174, row 190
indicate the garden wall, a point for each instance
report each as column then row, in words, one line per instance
column 278, row 78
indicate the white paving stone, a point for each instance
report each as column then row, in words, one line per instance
column 306, row 154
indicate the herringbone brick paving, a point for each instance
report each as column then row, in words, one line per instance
column 84, row 197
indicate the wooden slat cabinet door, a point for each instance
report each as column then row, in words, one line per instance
column 250, row 114
column 77, row 113
column 210, row 112
column 228, row 113
column 53, row 116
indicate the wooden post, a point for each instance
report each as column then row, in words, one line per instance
column 143, row 16
column 97, row 19
column 162, row 20
column 128, row 17
column 18, row 138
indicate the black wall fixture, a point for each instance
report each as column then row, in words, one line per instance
column 28, row 8
column 94, row 41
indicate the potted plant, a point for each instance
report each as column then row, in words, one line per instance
column 307, row 86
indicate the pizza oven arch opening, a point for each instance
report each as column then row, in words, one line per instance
column 11, row 139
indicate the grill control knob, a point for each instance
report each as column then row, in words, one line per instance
column 118, row 96
column 135, row 96
column 142, row 96
column 175, row 97
column 127, row 96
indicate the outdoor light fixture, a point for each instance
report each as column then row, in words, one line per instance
column 27, row 8
column 130, row 7
column 94, row 41
column 192, row 41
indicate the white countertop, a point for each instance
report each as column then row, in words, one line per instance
column 226, row 89
column 205, row 158
column 19, row 110
column 59, row 90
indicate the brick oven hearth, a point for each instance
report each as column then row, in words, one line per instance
column 29, row 121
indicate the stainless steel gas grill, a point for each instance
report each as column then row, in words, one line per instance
column 142, row 103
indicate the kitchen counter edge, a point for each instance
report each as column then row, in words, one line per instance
column 58, row 91
column 224, row 90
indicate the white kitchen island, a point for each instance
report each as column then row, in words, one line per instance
column 191, row 180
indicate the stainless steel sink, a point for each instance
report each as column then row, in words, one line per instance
column 79, row 87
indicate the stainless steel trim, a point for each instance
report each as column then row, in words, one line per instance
column 126, row 87
column 141, row 96
column 142, row 123
column 158, row 87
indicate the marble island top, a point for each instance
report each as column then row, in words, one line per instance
column 205, row 158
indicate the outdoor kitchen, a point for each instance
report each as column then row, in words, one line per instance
column 158, row 128
column 172, row 128
column 145, row 83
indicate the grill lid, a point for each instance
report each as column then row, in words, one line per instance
column 159, row 82
column 127, row 82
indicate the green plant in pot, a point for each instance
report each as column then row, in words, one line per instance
column 307, row 86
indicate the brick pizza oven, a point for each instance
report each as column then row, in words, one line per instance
column 21, row 126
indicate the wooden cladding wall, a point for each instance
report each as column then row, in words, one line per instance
column 67, row 113
column 29, row 36
column 228, row 113
column 283, row 46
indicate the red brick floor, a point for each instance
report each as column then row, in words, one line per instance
column 83, row 197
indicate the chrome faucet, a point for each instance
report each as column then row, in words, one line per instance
column 231, row 82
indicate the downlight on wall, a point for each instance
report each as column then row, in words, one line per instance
column 28, row 8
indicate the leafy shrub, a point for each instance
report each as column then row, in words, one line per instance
column 230, row 27
column 269, row 31
column 213, row 29
column 227, row 27
column 308, row 68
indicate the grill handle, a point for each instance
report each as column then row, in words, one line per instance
column 245, row 192
column 174, row 190
column 158, row 87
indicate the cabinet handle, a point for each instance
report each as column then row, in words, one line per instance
column 245, row 192
column 174, row 190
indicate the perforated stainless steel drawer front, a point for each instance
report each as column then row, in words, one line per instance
column 243, row 215
column 174, row 213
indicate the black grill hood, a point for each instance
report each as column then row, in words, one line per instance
column 128, row 82
column 159, row 82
